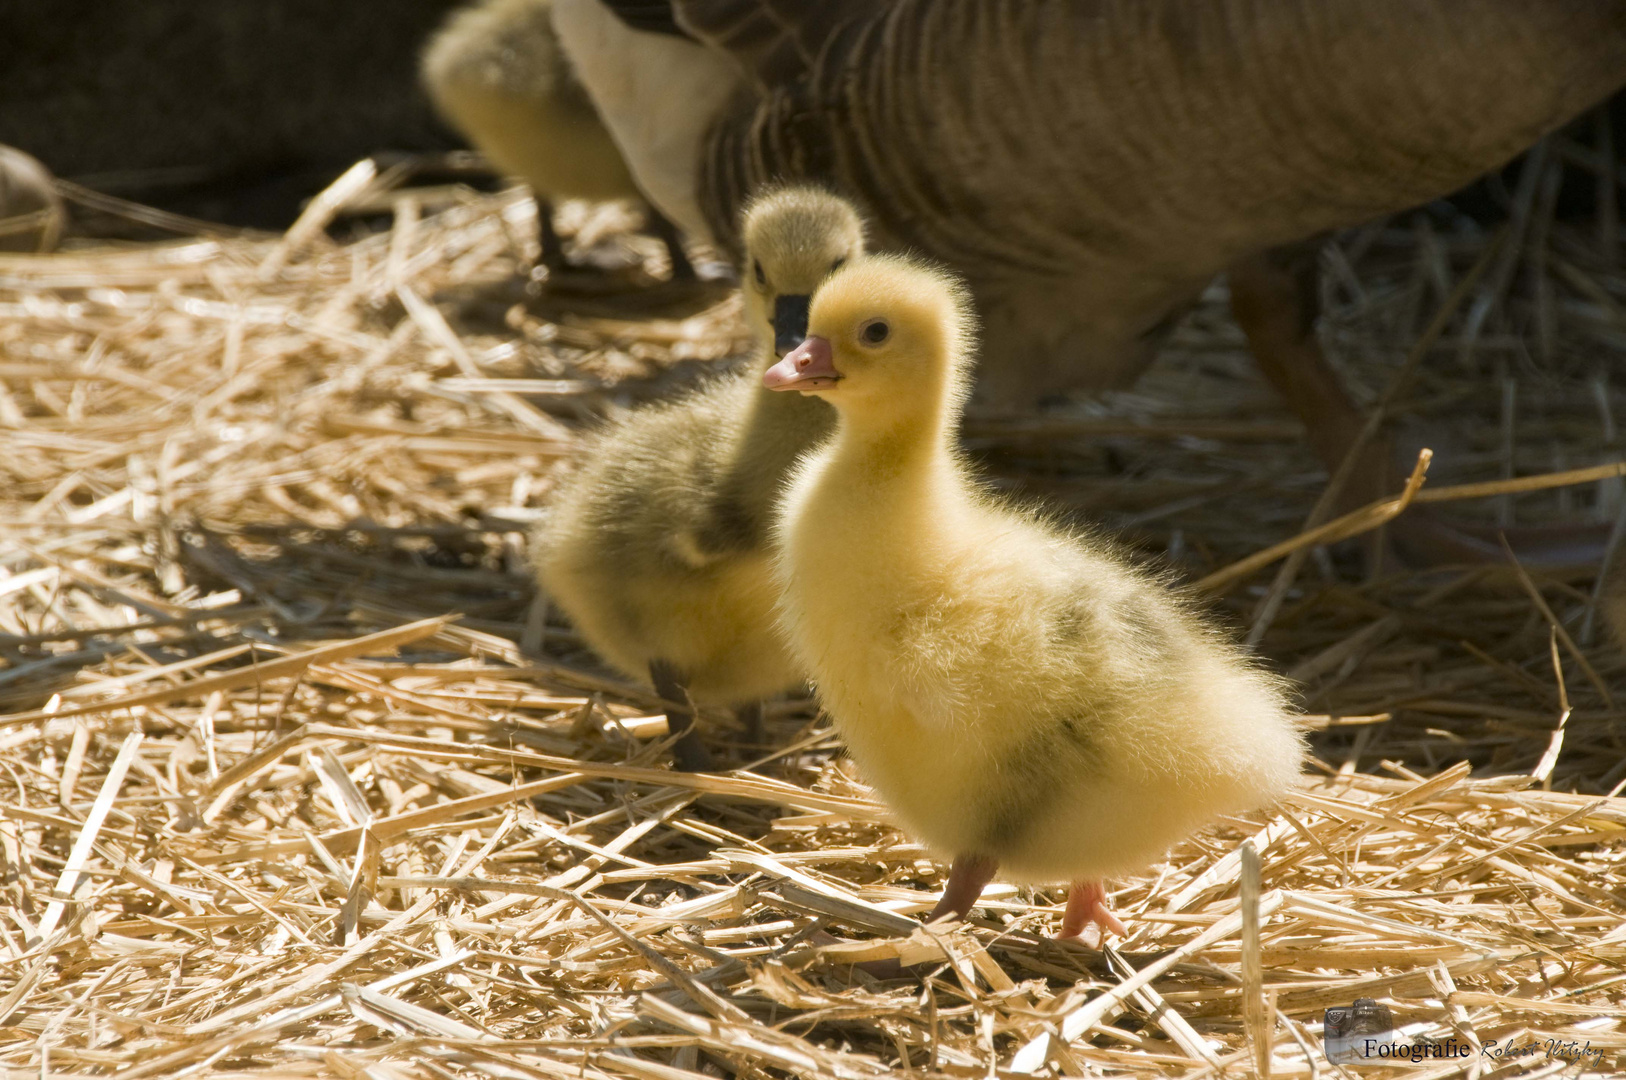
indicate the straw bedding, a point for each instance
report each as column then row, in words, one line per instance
column 302, row 779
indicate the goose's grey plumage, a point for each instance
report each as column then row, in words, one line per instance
column 775, row 42
column 1090, row 165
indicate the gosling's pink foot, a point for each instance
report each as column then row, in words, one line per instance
column 968, row 876
column 1087, row 903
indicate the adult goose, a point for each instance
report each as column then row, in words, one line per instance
column 1090, row 165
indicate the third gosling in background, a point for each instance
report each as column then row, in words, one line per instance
column 1021, row 697
column 497, row 73
column 657, row 547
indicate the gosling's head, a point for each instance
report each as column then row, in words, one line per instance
column 794, row 238
column 884, row 331
column 502, row 47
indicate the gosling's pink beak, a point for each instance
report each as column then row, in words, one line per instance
column 809, row 366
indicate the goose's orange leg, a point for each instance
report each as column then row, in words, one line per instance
column 1275, row 298
column 1087, row 903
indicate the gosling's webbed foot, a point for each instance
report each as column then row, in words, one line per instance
column 1087, row 903
column 689, row 753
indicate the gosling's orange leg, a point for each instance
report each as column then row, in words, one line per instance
column 1087, row 903
column 969, row 875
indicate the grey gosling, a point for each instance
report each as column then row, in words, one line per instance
column 656, row 547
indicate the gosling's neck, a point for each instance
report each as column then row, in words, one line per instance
column 777, row 429
column 899, row 457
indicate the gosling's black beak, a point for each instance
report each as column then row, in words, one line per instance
column 789, row 323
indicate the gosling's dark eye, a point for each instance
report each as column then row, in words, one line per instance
column 838, row 264
column 762, row 279
column 874, row 332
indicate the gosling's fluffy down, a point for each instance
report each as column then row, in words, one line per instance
column 1015, row 692
column 653, row 561
column 657, row 546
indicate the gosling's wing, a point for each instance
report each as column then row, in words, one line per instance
column 775, row 41
column 651, row 16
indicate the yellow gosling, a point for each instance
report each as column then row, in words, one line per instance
column 1021, row 697
column 657, row 547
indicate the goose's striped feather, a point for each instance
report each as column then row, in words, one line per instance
column 776, row 41
column 1089, row 165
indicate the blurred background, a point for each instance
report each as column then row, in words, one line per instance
column 233, row 111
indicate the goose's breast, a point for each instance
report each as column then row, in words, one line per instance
column 657, row 94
